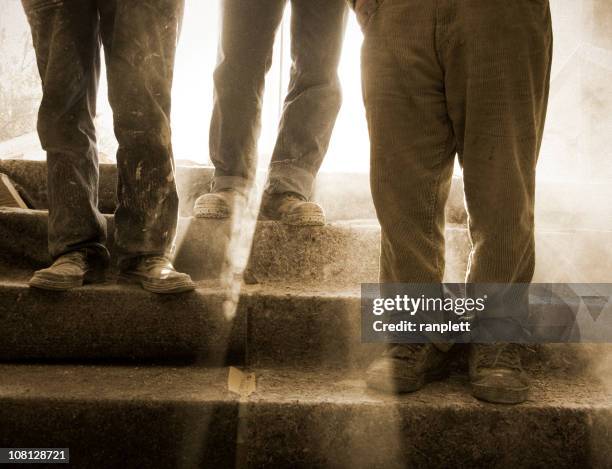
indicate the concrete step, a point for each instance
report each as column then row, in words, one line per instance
column 269, row 325
column 122, row 416
column 346, row 196
column 342, row 201
column 342, row 253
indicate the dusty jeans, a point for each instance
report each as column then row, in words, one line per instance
column 312, row 102
column 139, row 44
column 447, row 77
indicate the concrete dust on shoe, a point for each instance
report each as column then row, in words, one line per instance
column 308, row 214
column 219, row 205
column 159, row 286
column 291, row 209
column 43, row 282
column 156, row 274
column 68, row 271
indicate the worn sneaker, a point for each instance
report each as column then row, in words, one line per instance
column 155, row 274
column 496, row 373
column 291, row 209
column 70, row 270
column 218, row 205
column 407, row 368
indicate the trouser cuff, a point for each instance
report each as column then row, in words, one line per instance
column 236, row 183
column 285, row 177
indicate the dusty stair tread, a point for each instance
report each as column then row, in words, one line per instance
column 113, row 321
column 340, row 200
column 191, row 383
column 110, row 415
column 274, row 324
column 341, row 252
column 280, row 252
column 17, row 277
column 559, row 203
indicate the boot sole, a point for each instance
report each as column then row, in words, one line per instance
column 497, row 395
column 178, row 286
column 53, row 283
column 210, row 213
column 314, row 218
column 391, row 385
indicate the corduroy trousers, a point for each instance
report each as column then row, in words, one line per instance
column 456, row 77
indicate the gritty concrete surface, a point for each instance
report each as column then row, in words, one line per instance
column 117, row 322
column 31, row 177
column 271, row 325
column 304, row 418
column 560, row 205
column 288, row 325
column 297, row 325
column 120, row 417
column 338, row 253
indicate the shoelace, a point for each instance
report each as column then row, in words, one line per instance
column 499, row 356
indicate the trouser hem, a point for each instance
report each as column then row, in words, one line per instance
column 236, row 183
column 286, row 177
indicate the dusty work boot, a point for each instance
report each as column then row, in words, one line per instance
column 218, row 205
column 407, row 368
column 70, row 270
column 496, row 373
column 155, row 274
column 291, row 209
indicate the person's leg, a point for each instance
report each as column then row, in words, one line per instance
column 140, row 45
column 497, row 59
column 244, row 58
column 412, row 140
column 412, row 154
column 314, row 97
column 311, row 108
column 66, row 42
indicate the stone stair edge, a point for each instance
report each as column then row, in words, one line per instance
column 282, row 385
column 297, row 419
column 17, row 279
column 272, row 326
column 365, row 224
column 558, row 202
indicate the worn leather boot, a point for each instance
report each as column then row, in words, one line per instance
column 218, row 205
column 406, row 368
column 155, row 274
column 496, row 373
column 291, row 209
column 70, row 270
